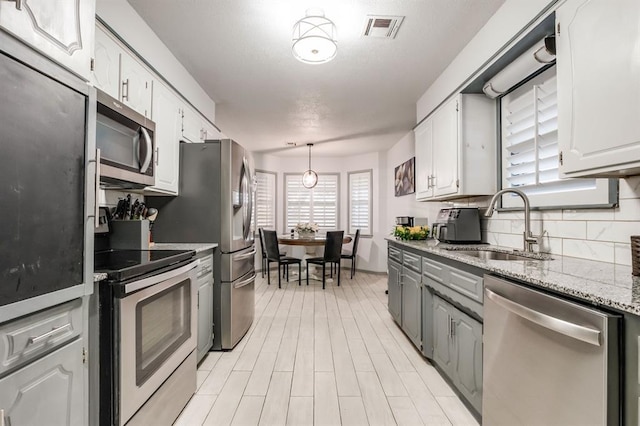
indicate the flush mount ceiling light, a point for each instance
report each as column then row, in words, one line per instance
column 314, row 38
column 309, row 178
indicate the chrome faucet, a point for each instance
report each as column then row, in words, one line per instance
column 529, row 238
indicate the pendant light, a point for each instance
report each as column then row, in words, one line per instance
column 309, row 178
column 314, row 38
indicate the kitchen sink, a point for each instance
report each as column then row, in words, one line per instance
column 489, row 254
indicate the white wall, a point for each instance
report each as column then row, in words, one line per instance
column 126, row 22
column 372, row 251
column 503, row 29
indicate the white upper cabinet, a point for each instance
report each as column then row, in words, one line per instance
column 61, row 29
column 598, row 87
column 106, row 73
column 167, row 114
column 118, row 73
column 195, row 128
column 445, row 149
column 456, row 150
column 136, row 84
column 424, row 163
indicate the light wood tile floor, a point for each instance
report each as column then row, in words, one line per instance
column 314, row 357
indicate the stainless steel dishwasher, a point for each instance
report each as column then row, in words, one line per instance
column 546, row 360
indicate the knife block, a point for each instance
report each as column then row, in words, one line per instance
column 130, row 234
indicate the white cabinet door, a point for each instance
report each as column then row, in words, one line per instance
column 106, row 73
column 135, row 85
column 61, row 29
column 210, row 132
column 168, row 118
column 48, row 391
column 424, row 160
column 192, row 130
column 598, row 86
column 445, row 149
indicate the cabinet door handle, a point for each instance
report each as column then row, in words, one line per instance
column 96, row 218
column 452, row 326
column 125, row 93
column 19, row 7
column 428, row 182
column 449, row 326
column 157, row 155
column 45, row 336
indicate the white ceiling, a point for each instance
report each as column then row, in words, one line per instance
column 362, row 101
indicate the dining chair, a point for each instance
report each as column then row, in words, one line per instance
column 332, row 250
column 351, row 254
column 273, row 255
column 263, row 252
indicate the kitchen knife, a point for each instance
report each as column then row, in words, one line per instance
column 134, row 209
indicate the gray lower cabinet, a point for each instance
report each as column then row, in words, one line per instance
column 48, row 391
column 205, row 306
column 457, row 349
column 395, row 291
column 411, row 306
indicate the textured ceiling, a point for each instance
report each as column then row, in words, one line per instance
column 362, row 101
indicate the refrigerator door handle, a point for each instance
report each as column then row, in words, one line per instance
column 245, row 282
column 245, row 182
column 244, row 256
column 569, row 329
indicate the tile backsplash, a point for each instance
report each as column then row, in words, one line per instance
column 596, row 234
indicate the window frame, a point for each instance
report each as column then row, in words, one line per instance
column 370, row 224
column 285, row 198
column 606, row 188
column 275, row 200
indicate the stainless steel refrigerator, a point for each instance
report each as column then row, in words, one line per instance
column 215, row 205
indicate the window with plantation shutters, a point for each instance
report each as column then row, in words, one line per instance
column 360, row 202
column 530, row 156
column 317, row 205
column 264, row 201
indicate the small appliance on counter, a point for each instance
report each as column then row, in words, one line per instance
column 458, row 225
column 404, row 220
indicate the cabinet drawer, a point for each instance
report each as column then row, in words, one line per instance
column 434, row 270
column 206, row 266
column 395, row 254
column 468, row 284
column 412, row 261
column 27, row 338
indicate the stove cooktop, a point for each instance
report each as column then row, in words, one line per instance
column 125, row 264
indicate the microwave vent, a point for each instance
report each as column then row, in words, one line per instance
column 382, row 26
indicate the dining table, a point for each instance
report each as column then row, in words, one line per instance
column 310, row 245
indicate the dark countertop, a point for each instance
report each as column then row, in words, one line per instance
column 600, row 283
column 198, row 247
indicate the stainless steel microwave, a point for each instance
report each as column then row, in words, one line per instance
column 126, row 142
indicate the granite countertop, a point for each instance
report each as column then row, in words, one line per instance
column 99, row 276
column 600, row 283
column 198, row 247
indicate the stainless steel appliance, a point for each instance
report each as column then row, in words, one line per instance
column 47, row 173
column 215, row 205
column 404, row 220
column 457, row 225
column 126, row 142
column 147, row 335
column 546, row 360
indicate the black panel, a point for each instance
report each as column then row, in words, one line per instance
column 42, row 148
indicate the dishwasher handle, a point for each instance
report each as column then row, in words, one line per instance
column 575, row 331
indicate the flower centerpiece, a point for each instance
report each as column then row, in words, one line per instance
column 411, row 232
column 307, row 230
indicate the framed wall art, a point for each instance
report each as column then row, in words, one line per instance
column 405, row 178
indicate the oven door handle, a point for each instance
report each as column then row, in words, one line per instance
column 245, row 282
column 147, row 282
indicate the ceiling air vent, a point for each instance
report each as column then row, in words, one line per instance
column 382, row 26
